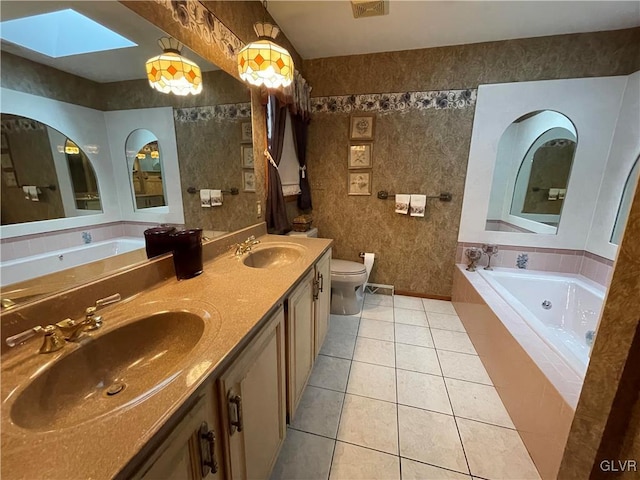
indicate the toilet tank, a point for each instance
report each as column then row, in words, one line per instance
column 313, row 232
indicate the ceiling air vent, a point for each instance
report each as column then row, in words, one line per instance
column 364, row 8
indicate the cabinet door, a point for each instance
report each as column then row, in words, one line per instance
column 322, row 304
column 300, row 341
column 192, row 449
column 253, row 392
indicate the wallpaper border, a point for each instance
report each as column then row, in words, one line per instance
column 228, row 111
column 395, row 102
column 200, row 20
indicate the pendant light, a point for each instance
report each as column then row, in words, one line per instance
column 170, row 72
column 264, row 62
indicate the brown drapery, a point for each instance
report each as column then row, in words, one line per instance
column 276, row 212
column 300, row 125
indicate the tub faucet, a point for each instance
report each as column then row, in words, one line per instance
column 244, row 247
column 72, row 330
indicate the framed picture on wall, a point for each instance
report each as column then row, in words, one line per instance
column 246, row 132
column 360, row 155
column 246, row 152
column 362, row 127
column 248, row 181
column 359, row 183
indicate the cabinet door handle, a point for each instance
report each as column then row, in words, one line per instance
column 207, row 450
column 321, row 277
column 316, row 289
column 235, row 403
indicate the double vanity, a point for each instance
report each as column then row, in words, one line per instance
column 183, row 379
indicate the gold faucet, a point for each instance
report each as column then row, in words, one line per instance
column 72, row 330
column 55, row 335
column 7, row 303
column 244, row 247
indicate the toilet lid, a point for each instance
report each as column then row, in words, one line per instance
column 345, row 267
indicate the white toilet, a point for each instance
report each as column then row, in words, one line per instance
column 347, row 282
column 347, row 286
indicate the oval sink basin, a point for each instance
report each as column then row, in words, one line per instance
column 120, row 368
column 273, row 256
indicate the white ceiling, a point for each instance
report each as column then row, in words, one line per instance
column 109, row 66
column 320, row 29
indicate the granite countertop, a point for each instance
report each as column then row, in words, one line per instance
column 235, row 299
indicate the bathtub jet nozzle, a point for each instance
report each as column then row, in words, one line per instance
column 546, row 305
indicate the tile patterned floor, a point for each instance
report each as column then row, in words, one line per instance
column 398, row 392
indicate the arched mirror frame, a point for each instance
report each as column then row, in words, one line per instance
column 520, row 224
column 141, row 202
column 624, row 206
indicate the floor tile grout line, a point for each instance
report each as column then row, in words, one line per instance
column 344, row 397
column 438, row 466
column 395, row 372
column 455, row 421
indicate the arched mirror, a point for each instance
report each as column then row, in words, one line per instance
column 531, row 174
column 144, row 158
column 625, row 203
column 45, row 175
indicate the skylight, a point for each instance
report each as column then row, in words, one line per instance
column 61, row 34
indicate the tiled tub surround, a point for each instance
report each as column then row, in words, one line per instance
column 539, row 390
column 398, row 391
column 592, row 266
column 145, row 289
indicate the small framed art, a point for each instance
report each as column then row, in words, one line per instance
column 360, row 155
column 248, row 181
column 362, row 127
column 359, row 183
column 246, row 132
column 246, row 152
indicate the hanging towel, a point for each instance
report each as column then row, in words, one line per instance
column 418, row 203
column 216, row 198
column 33, row 194
column 25, row 190
column 553, row 193
column 561, row 193
column 205, row 198
column 402, row 203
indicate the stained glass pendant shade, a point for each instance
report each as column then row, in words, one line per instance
column 170, row 72
column 263, row 62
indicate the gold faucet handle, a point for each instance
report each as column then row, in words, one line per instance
column 23, row 336
column 103, row 302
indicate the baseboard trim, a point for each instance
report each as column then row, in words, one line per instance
column 423, row 295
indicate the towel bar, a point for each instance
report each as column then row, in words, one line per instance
column 232, row 191
column 443, row 197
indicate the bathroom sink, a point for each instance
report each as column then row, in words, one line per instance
column 120, row 368
column 273, row 256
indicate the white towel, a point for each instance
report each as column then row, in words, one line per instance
column 553, row 193
column 402, row 203
column 205, row 198
column 33, row 194
column 418, row 203
column 561, row 193
column 216, row 198
column 25, row 190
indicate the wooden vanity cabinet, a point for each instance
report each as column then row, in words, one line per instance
column 253, row 399
column 322, row 302
column 193, row 449
column 300, row 331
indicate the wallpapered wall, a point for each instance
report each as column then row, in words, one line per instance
column 423, row 148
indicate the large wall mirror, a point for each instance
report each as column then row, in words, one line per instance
column 625, row 203
column 45, row 175
column 531, row 174
column 128, row 176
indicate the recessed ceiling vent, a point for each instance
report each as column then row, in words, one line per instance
column 364, row 8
